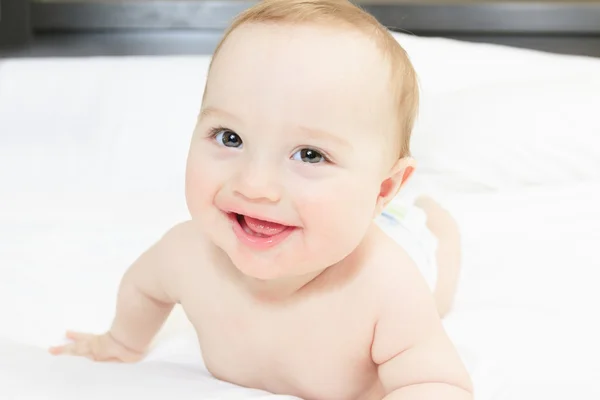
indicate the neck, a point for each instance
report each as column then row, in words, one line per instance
column 268, row 290
column 280, row 289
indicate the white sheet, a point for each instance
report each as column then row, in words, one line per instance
column 92, row 153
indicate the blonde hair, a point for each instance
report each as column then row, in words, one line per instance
column 403, row 76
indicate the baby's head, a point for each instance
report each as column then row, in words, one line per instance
column 305, row 123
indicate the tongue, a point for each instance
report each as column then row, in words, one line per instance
column 265, row 228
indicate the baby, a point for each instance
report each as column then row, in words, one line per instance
column 293, row 280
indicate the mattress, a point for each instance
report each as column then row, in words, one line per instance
column 92, row 154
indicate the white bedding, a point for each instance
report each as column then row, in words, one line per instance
column 92, row 153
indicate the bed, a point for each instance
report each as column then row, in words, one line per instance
column 508, row 139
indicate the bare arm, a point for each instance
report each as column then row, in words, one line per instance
column 430, row 391
column 415, row 357
column 146, row 296
column 144, row 301
column 428, row 370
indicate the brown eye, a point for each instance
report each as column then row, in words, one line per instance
column 308, row 156
column 228, row 138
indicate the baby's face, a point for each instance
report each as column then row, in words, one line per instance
column 291, row 149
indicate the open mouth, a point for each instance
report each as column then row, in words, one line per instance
column 257, row 233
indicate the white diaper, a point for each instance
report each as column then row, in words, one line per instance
column 407, row 225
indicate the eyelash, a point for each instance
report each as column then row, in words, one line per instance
column 213, row 132
column 326, row 158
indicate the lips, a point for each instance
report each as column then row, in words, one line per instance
column 257, row 233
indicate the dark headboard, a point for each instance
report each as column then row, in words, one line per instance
column 137, row 27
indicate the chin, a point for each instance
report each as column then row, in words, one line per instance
column 261, row 268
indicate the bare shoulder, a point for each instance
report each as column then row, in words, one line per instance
column 392, row 272
column 180, row 234
column 180, row 248
column 403, row 297
column 410, row 345
column 181, row 242
column 399, row 293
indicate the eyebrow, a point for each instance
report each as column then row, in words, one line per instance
column 311, row 133
column 212, row 112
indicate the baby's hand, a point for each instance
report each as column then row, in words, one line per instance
column 97, row 347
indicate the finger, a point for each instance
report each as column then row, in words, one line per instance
column 56, row 350
column 77, row 335
column 77, row 348
column 67, row 349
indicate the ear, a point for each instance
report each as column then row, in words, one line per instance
column 398, row 176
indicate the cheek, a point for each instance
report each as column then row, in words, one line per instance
column 339, row 211
column 201, row 184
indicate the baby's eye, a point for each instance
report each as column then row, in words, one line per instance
column 228, row 138
column 309, row 156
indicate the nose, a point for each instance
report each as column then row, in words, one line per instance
column 258, row 182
